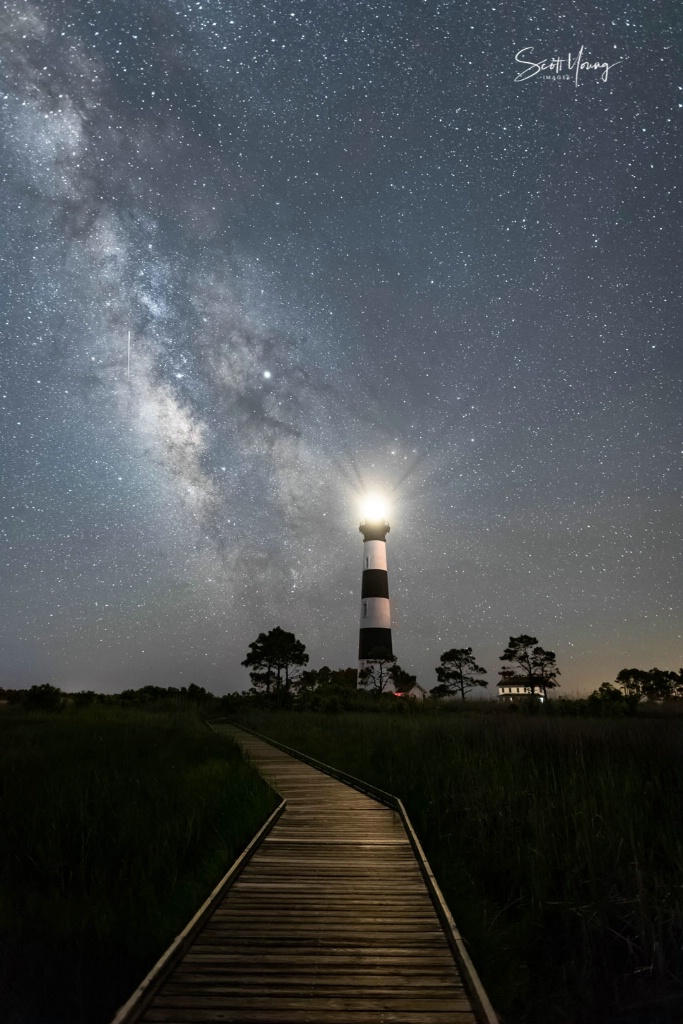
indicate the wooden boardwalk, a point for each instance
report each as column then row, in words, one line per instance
column 330, row 922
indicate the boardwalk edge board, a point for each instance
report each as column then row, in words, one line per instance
column 476, row 990
column 147, row 988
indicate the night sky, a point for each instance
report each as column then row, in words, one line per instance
column 353, row 253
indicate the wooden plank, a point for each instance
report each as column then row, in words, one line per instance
column 319, row 955
column 296, row 974
column 242, row 994
column 379, row 1004
column 284, row 1015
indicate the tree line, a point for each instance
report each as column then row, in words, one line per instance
column 279, row 677
column 655, row 684
column 46, row 697
column 277, row 667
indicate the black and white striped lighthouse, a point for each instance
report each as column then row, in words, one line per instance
column 375, row 610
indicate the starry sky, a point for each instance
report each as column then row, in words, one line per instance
column 259, row 258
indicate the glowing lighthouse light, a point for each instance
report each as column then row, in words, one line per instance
column 374, row 509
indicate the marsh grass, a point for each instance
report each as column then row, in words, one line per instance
column 114, row 826
column 558, row 844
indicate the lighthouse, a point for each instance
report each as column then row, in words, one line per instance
column 375, row 610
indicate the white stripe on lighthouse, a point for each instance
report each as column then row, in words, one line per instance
column 375, row 554
column 375, row 613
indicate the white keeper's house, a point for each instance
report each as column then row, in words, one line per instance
column 511, row 688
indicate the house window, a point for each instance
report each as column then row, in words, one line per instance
column 365, row 609
column 367, row 563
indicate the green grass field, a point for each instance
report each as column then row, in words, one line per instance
column 114, row 827
column 558, row 844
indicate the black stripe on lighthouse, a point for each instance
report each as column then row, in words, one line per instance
column 373, row 639
column 375, row 583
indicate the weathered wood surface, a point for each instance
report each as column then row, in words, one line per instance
column 329, row 923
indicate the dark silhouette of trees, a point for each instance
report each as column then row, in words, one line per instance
column 458, row 673
column 610, row 700
column 42, row 698
column 655, row 684
column 539, row 668
column 608, row 692
column 154, row 695
column 11, row 696
column 548, row 671
column 631, row 681
column 344, row 678
column 84, row 698
column 317, row 679
column 326, row 689
column 310, row 680
column 375, row 676
column 274, row 662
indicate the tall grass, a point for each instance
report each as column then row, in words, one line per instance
column 558, row 844
column 114, row 826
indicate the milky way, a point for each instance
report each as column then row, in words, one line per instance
column 350, row 252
